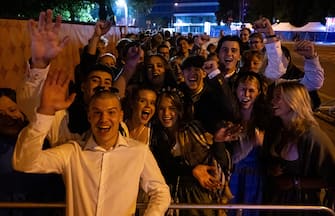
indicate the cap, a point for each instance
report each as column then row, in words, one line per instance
column 193, row 61
column 101, row 67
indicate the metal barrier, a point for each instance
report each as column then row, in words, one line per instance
column 31, row 205
column 186, row 206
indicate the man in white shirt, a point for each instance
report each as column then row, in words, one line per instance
column 103, row 174
column 46, row 44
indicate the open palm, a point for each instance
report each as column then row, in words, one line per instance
column 45, row 41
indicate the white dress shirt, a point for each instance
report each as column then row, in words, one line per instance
column 98, row 182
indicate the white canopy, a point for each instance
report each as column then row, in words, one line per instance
column 309, row 27
column 283, row 26
column 312, row 27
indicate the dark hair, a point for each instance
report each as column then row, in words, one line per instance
column 121, row 45
column 193, row 61
column 257, row 35
column 168, row 77
column 177, row 98
column 130, row 99
column 228, row 38
column 113, row 71
column 286, row 52
column 243, row 76
column 261, row 111
column 8, row 92
column 212, row 56
column 248, row 56
column 245, row 28
column 180, row 38
column 162, row 46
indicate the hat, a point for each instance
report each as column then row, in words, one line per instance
column 121, row 44
column 101, row 67
column 193, row 61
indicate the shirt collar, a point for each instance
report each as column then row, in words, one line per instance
column 91, row 145
column 213, row 74
column 226, row 76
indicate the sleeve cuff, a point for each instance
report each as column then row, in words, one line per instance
column 42, row 122
column 34, row 74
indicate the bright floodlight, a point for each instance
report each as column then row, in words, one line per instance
column 123, row 4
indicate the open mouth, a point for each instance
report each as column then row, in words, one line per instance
column 228, row 60
column 155, row 75
column 245, row 101
column 145, row 114
column 104, row 129
column 166, row 120
column 193, row 78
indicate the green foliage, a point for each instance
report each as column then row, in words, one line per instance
column 71, row 10
column 78, row 13
column 141, row 7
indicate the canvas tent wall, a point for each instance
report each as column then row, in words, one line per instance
column 314, row 31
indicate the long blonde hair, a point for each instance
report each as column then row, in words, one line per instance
column 297, row 98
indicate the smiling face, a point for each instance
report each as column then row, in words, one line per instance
column 279, row 106
column 183, row 46
column 244, row 35
column 256, row 43
column 176, row 70
column 229, row 55
column 105, row 115
column 247, row 92
column 194, row 78
column 156, row 70
column 164, row 51
column 210, row 65
column 167, row 112
column 95, row 79
column 11, row 118
column 144, row 106
column 256, row 64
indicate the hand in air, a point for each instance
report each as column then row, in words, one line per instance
column 55, row 95
column 228, row 132
column 305, row 48
column 45, row 41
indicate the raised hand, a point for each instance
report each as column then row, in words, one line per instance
column 263, row 25
column 228, row 132
column 101, row 28
column 134, row 55
column 45, row 41
column 305, row 48
column 54, row 95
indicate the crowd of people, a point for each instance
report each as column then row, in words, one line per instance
column 170, row 119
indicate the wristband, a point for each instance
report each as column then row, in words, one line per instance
column 271, row 36
column 313, row 56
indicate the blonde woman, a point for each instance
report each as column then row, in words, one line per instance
column 301, row 155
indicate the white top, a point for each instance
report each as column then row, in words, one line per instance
column 277, row 65
column 98, row 181
column 28, row 96
column 213, row 73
